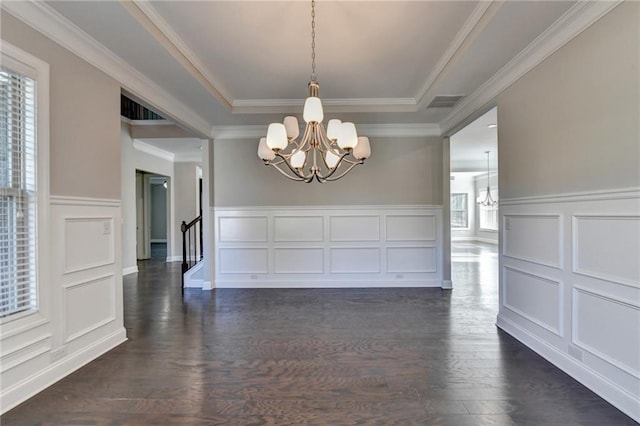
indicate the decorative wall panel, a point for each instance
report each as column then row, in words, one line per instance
column 328, row 246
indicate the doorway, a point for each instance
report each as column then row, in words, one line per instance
column 474, row 196
column 152, row 216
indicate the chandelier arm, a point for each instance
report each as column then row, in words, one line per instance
column 331, row 178
column 287, row 175
column 304, row 141
column 325, row 178
column 329, row 144
column 299, row 176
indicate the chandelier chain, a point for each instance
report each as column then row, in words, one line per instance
column 313, row 40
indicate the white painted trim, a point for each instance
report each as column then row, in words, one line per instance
column 148, row 122
column 335, row 105
column 152, row 150
column 52, row 24
column 578, row 18
column 330, row 208
column 166, row 36
column 601, row 195
column 63, row 200
column 162, row 240
column 190, row 281
column 470, row 24
column 588, row 348
column 557, row 331
column 112, row 234
column 179, row 259
column 560, row 233
column 31, row 349
column 35, row 68
column 386, row 130
column 333, row 283
column 130, row 270
column 447, row 285
column 575, row 240
column 30, row 386
column 605, row 388
column 400, row 130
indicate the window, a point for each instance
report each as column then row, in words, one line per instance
column 459, row 211
column 23, row 183
column 488, row 215
column 18, row 193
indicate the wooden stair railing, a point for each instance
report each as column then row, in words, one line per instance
column 191, row 254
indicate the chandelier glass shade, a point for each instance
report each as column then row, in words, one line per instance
column 323, row 155
column 488, row 199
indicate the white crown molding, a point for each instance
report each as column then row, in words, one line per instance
column 150, row 123
column 578, row 18
column 238, row 132
column 143, row 12
column 269, row 106
column 152, row 150
column 473, row 23
column 49, row 22
column 397, row 130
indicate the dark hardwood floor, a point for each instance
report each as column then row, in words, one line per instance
column 326, row 356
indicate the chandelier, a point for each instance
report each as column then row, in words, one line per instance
column 488, row 199
column 322, row 155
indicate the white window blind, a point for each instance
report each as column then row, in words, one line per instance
column 18, row 196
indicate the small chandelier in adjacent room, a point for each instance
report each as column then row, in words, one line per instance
column 319, row 154
column 488, row 199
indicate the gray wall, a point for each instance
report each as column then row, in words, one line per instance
column 185, row 190
column 158, row 212
column 133, row 160
column 84, row 117
column 572, row 123
column 400, row 171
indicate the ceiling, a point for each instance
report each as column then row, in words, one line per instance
column 248, row 63
column 468, row 146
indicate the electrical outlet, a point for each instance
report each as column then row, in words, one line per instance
column 399, row 276
column 254, row 277
column 106, row 227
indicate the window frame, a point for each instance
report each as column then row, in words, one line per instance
column 28, row 65
column 466, row 210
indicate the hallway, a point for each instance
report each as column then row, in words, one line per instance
column 323, row 356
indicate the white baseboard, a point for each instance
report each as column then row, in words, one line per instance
column 447, row 285
column 130, row 270
column 30, row 386
column 486, row 240
column 336, row 283
column 599, row 384
column 473, row 239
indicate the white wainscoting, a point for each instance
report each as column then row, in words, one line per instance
column 570, row 286
column 84, row 293
column 328, row 246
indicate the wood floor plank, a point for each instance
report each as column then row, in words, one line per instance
column 318, row 357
